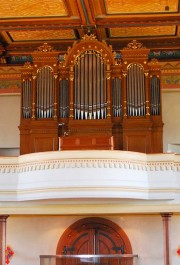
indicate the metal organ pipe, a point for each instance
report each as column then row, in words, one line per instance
column 101, row 92
column 117, row 97
column 89, row 100
column 155, row 96
column 97, row 112
column 45, row 93
column 66, row 108
column 135, row 90
column 94, row 90
column 104, row 90
column 26, row 99
column 135, row 74
column 90, row 87
column 114, row 110
column 63, row 98
column 77, row 99
column 82, row 86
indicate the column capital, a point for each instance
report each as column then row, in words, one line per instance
column 3, row 217
column 166, row 215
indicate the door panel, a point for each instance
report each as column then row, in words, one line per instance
column 82, row 244
column 94, row 236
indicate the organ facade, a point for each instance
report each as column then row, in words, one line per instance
column 93, row 99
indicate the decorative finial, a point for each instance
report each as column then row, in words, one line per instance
column 89, row 37
column 27, row 65
column 45, row 48
column 134, row 45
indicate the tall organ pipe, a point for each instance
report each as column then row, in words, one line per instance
column 90, row 86
column 155, row 96
column 63, row 98
column 116, row 97
column 135, row 90
column 45, row 93
column 26, row 99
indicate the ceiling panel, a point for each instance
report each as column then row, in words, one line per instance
column 142, row 31
column 34, row 35
column 140, row 6
column 32, row 8
column 27, row 24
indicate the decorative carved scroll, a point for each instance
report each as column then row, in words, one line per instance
column 45, row 48
column 134, row 45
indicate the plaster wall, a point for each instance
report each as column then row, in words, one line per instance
column 32, row 236
column 171, row 119
column 9, row 122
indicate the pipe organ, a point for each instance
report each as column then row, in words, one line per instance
column 91, row 99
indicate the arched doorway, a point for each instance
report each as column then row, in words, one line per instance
column 94, row 236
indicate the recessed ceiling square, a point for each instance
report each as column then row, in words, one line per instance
column 142, row 31
column 37, row 35
column 140, row 6
column 32, row 8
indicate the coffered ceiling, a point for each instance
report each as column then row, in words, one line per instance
column 27, row 24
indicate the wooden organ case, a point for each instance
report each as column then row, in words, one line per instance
column 91, row 100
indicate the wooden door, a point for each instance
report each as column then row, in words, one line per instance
column 94, row 236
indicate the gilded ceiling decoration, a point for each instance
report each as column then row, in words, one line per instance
column 140, row 6
column 32, row 8
column 142, row 31
column 42, row 35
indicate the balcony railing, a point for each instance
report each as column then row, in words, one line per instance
column 114, row 259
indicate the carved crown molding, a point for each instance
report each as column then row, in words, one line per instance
column 89, row 163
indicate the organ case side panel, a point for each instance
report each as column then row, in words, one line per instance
column 39, row 124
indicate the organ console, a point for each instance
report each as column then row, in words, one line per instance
column 92, row 99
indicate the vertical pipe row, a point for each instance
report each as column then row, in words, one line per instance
column 104, row 87
column 142, row 96
column 75, row 91
column 23, row 99
column 78, row 91
column 37, row 97
column 155, row 95
column 117, row 97
column 94, row 89
column 26, row 99
column 98, row 89
column 45, row 93
column 90, row 87
column 135, row 90
column 81, row 86
column 29, row 98
column 101, row 92
column 86, row 79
